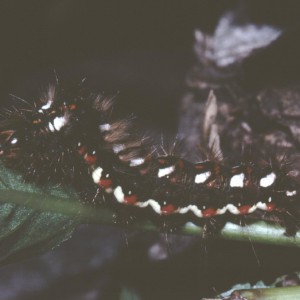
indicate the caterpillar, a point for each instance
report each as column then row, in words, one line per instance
column 74, row 139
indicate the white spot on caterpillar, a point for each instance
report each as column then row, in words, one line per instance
column 59, row 122
column 104, row 127
column 252, row 209
column 154, row 204
column 201, row 178
column 232, row 209
column 46, row 106
column 51, row 127
column 136, row 162
column 165, row 171
column 221, row 211
column 118, row 148
column 263, row 206
column 291, row 193
column 118, row 193
column 267, row 180
column 237, row 180
column 192, row 208
column 97, row 174
column 14, row 141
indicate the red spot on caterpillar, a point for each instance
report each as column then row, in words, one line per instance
column 244, row 209
column 132, row 199
column 217, row 169
column 90, row 159
column 209, row 212
column 168, row 209
column 72, row 106
column 199, row 167
column 144, row 171
column 174, row 180
column 161, row 161
column 270, row 206
column 105, row 183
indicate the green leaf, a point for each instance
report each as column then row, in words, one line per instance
column 26, row 230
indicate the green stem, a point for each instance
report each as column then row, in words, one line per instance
column 259, row 232
column 283, row 293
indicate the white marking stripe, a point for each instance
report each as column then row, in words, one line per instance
column 262, row 206
column 222, row 211
column 229, row 207
column 47, row 105
column 291, row 193
column 104, row 127
column 201, row 178
column 237, row 180
column 118, row 193
column 165, row 171
column 252, row 209
column 97, row 174
column 51, row 127
column 136, row 162
column 267, row 180
column 192, row 208
column 154, row 204
column 232, row 209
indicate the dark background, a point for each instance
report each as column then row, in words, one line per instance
column 142, row 49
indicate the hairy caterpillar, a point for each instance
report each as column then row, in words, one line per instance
column 74, row 139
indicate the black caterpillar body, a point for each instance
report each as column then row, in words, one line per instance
column 74, row 139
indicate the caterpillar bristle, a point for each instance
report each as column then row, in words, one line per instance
column 48, row 96
column 75, row 139
column 104, row 104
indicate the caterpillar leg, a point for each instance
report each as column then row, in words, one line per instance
column 291, row 224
